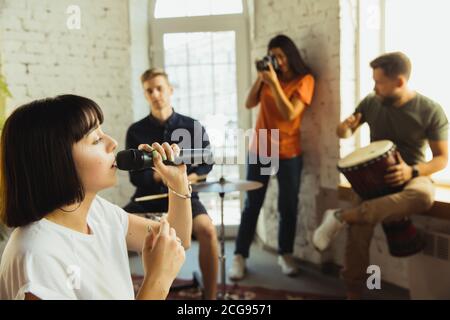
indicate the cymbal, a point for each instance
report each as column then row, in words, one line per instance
column 199, row 179
column 225, row 186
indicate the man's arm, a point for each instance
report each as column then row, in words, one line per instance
column 203, row 169
column 401, row 173
column 439, row 161
column 347, row 127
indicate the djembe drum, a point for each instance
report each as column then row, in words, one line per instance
column 365, row 169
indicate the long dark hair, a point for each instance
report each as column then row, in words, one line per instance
column 295, row 60
column 37, row 170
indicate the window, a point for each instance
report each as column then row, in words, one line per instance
column 416, row 32
column 191, row 8
column 207, row 63
column 202, row 69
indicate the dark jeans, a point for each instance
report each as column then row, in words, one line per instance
column 288, row 177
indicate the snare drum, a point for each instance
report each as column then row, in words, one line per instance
column 365, row 169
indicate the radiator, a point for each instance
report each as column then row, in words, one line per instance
column 429, row 271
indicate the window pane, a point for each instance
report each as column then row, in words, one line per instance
column 200, row 91
column 428, row 54
column 204, row 83
column 226, row 7
column 199, row 48
column 223, row 47
column 199, row 8
column 192, row 8
column 202, row 69
column 175, row 49
column 224, row 78
column 170, row 8
column 178, row 76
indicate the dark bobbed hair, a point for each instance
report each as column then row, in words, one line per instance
column 295, row 60
column 37, row 170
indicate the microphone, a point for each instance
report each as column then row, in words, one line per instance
column 134, row 159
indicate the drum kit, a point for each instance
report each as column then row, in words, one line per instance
column 365, row 169
column 220, row 187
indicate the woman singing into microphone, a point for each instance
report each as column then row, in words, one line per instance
column 68, row 242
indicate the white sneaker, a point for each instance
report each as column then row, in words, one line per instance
column 237, row 271
column 327, row 230
column 288, row 265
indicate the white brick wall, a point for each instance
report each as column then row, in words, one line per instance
column 42, row 57
column 139, row 30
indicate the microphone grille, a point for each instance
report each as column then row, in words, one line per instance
column 128, row 160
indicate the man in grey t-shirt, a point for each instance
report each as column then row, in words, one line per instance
column 411, row 121
column 409, row 126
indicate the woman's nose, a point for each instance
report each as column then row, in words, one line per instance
column 112, row 145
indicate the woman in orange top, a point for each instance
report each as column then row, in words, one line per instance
column 283, row 93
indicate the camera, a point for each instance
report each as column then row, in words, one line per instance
column 263, row 64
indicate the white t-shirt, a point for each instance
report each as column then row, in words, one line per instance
column 55, row 262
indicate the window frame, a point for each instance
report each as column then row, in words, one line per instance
column 201, row 15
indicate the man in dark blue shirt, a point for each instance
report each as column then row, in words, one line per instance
column 165, row 125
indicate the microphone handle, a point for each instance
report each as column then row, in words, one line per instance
column 191, row 157
column 169, row 163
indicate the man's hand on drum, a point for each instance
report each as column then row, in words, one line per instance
column 398, row 174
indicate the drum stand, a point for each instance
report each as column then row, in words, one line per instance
column 221, row 187
column 223, row 295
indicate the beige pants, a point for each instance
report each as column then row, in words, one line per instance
column 416, row 197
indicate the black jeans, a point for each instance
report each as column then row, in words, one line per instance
column 288, row 177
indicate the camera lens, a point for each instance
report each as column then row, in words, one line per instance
column 263, row 64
